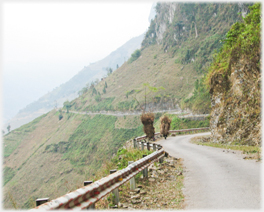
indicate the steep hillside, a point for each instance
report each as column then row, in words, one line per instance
column 175, row 53
column 70, row 89
column 234, row 81
column 50, row 156
column 53, row 155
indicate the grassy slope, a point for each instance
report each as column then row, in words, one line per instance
column 55, row 157
column 48, row 159
column 35, row 169
column 157, row 71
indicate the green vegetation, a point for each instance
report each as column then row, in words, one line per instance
column 242, row 39
column 80, row 141
column 178, row 123
column 104, row 104
column 60, row 116
column 195, row 32
column 134, row 56
column 255, row 151
column 60, row 147
column 67, row 105
column 200, row 101
column 151, row 89
column 13, row 139
column 109, row 71
column 123, row 156
column 98, row 98
column 126, row 105
column 89, row 138
column 8, row 174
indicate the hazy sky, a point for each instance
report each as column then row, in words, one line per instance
column 45, row 44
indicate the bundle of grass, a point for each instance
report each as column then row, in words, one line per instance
column 147, row 120
column 165, row 126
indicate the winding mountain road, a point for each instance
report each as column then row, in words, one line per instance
column 180, row 114
column 215, row 179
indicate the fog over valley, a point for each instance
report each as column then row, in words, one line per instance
column 46, row 44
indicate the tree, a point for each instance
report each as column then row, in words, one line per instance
column 98, row 97
column 134, row 56
column 97, row 81
column 109, row 71
column 94, row 91
column 60, row 116
column 117, row 66
column 150, row 89
column 67, row 105
column 105, row 85
column 104, row 91
column 8, row 128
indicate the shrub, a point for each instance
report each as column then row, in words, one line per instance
column 134, row 56
column 60, row 116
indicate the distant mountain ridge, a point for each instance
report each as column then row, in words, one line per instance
column 69, row 90
column 52, row 155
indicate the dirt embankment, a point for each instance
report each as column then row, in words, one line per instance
column 160, row 191
column 235, row 100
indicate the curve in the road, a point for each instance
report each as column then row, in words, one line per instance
column 215, row 179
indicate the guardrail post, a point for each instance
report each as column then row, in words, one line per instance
column 148, row 147
column 85, row 183
column 115, row 191
column 142, row 145
column 161, row 159
column 159, row 147
column 145, row 171
column 132, row 180
column 154, row 147
column 40, row 201
column 135, row 143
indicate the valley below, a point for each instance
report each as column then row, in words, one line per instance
column 196, row 66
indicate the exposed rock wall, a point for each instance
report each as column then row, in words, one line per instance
column 235, row 100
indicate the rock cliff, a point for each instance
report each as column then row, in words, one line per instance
column 235, row 85
column 235, row 100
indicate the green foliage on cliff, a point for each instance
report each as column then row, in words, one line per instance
column 242, row 39
column 200, row 101
column 136, row 54
column 193, row 32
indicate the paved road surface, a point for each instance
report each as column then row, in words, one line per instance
column 215, row 179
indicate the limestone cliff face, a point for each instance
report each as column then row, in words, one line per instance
column 192, row 29
column 163, row 18
column 235, row 100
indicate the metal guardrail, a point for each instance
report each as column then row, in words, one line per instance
column 175, row 131
column 87, row 196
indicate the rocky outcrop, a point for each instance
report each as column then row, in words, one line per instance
column 235, row 100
